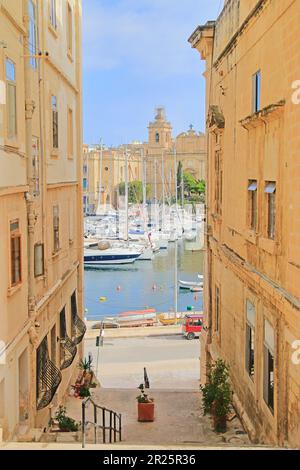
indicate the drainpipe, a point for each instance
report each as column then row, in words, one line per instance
column 29, row 196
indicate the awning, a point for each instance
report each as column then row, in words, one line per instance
column 252, row 186
column 270, row 188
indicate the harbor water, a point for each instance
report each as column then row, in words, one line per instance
column 111, row 290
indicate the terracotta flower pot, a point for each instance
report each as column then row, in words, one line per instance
column 146, row 412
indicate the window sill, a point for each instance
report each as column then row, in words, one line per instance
column 268, row 245
column 55, row 254
column 270, row 412
column 70, row 56
column 251, row 236
column 54, row 153
column 12, row 144
column 52, row 30
column 250, row 382
column 14, row 289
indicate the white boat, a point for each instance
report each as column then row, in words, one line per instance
column 190, row 285
column 138, row 317
column 94, row 257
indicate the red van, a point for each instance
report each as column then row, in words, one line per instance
column 192, row 326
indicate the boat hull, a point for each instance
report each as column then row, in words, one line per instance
column 100, row 260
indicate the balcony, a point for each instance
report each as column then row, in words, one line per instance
column 79, row 329
column 68, row 351
column 48, row 380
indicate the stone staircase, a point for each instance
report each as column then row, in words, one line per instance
column 179, row 420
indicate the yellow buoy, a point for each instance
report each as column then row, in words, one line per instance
column 102, row 299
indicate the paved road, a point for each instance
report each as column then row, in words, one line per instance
column 171, row 362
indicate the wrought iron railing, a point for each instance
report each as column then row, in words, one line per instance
column 108, row 421
column 79, row 329
column 48, row 380
column 68, row 351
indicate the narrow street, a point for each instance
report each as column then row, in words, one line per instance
column 172, row 362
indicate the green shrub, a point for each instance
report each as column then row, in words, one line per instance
column 65, row 422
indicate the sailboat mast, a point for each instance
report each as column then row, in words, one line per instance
column 126, row 194
column 155, row 190
column 176, row 279
column 182, row 187
column 100, row 176
column 144, row 186
column 175, row 176
column 163, row 186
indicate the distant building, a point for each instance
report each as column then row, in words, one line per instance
column 41, row 277
column 159, row 159
column 252, row 289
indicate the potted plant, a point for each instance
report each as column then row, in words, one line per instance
column 217, row 394
column 65, row 423
column 85, row 366
column 145, row 406
column 84, row 392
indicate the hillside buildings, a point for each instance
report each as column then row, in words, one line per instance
column 252, row 295
column 40, row 208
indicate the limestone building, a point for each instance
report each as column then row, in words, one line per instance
column 252, row 293
column 40, row 208
column 155, row 160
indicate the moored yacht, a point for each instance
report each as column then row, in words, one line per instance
column 95, row 256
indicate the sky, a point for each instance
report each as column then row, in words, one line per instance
column 136, row 58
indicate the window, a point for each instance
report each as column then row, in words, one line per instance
column 32, row 39
column 250, row 338
column 269, row 348
column 157, row 137
column 41, row 362
column 256, row 92
column 11, row 91
column 85, row 183
column 70, row 133
column 36, row 165
column 217, row 309
column 218, row 182
column 15, row 253
column 56, row 244
column 53, row 345
column 62, row 324
column 270, row 190
column 252, row 193
column 72, row 220
column 53, row 18
column 74, row 313
column 54, row 122
column 69, row 29
column 38, row 259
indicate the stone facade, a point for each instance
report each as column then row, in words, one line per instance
column 40, row 208
column 158, row 155
column 252, row 292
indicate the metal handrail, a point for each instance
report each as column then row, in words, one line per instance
column 114, row 428
column 146, row 379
